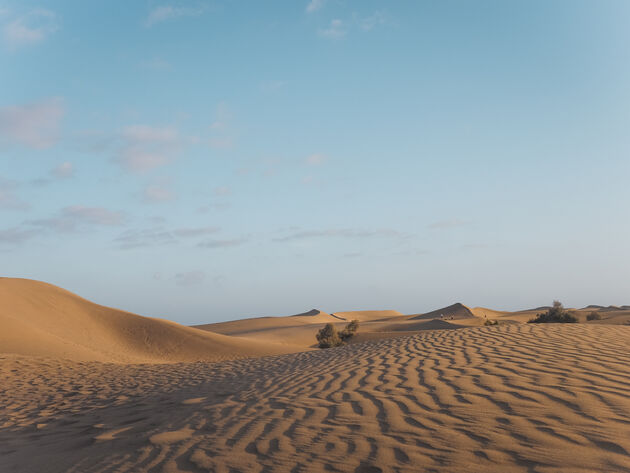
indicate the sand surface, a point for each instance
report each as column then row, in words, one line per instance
column 87, row 388
column 44, row 320
column 512, row 398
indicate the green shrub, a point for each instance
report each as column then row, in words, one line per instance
column 348, row 332
column 328, row 337
column 594, row 316
column 556, row 314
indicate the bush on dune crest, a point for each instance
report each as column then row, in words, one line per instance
column 328, row 337
column 556, row 314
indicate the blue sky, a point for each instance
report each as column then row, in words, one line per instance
column 211, row 160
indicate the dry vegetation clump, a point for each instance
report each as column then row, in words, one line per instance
column 489, row 322
column 556, row 314
column 594, row 316
column 328, row 337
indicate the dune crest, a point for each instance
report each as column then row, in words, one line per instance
column 366, row 315
column 455, row 311
column 44, row 320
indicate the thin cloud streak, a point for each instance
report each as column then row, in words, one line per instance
column 340, row 233
column 146, row 147
column 335, row 30
column 8, row 199
column 444, row 224
column 314, row 5
column 29, row 29
column 222, row 243
column 164, row 13
column 78, row 217
column 35, row 125
column 140, row 238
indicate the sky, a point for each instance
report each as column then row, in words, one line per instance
column 212, row 160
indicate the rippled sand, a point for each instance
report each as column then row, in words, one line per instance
column 494, row 399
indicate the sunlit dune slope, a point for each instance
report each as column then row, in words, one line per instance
column 300, row 329
column 366, row 315
column 44, row 320
column 256, row 324
column 455, row 311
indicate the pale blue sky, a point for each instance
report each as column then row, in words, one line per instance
column 210, row 160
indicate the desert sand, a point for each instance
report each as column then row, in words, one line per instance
column 86, row 388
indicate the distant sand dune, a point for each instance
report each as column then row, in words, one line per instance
column 40, row 319
column 514, row 398
column 456, row 311
column 366, row 315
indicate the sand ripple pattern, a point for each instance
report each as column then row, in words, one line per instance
column 515, row 398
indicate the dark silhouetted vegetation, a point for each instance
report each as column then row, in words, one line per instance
column 348, row 332
column 489, row 322
column 328, row 337
column 594, row 316
column 555, row 315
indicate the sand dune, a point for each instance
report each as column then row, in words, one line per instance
column 456, row 311
column 366, row 315
column 44, row 320
column 512, row 398
column 484, row 312
column 300, row 329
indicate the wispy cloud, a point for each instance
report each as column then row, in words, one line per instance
column 444, row 224
column 143, row 238
column 222, row 243
column 31, row 28
column 335, row 30
column 221, row 191
column 78, row 217
column 63, row 170
column 146, row 147
column 164, row 13
column 195, row 231
column 368, row 23
column 140, row 238
column 221, row 135
column 158, row 193
column 340, row 233
column 35, row 125
column 190, row 278
column 17, row 235
column 338, row 28
column 315, row 159
column 273, row 85
column 314, row 5
column 8, row 199
column 156, row 64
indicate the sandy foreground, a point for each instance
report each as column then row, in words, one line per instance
column 512, row 398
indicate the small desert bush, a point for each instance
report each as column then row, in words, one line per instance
column 594, row 316
column 328, row 337
column 491, row 322
column 556, row 314
column 348, row 332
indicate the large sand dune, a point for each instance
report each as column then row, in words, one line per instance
column 40, row 319
column 513, row 398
